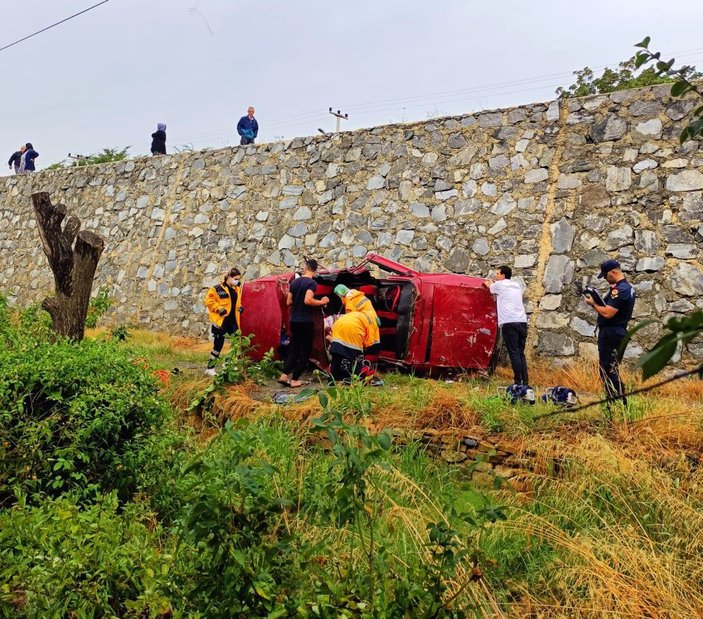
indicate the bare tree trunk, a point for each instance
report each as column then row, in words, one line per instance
column 73, row 267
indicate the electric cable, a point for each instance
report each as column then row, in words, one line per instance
column 29, row 36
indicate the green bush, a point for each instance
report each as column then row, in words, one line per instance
column 232, row 516
column 63, row 560
column 73, row 416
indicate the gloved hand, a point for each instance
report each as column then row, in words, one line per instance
column 222, row 311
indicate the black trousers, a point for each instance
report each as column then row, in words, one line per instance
column 218, row 334
column 515, row 338
column 343, row 367
column 609, row 340
column 244, row 141
column 299, row 349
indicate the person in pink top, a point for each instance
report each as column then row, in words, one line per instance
column 512, row 320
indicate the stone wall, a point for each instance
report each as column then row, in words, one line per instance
column 551, row 189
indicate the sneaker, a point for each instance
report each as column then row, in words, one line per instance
column 211, row 372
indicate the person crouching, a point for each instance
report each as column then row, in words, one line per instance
column 351, row 334
column 356, row 301
column 223, row 304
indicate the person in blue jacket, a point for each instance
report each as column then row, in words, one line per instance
column 247, row 127
column 27, row 160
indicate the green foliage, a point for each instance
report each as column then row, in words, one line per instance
column 98, row 305
column 73, row 416
column 237, row 366
column 683, row 82
column 105, row 156
column 681, row 332
column 612, row 80
column 232, row 517
column 63, row 560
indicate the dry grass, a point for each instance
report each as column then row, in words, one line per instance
column 616, row 530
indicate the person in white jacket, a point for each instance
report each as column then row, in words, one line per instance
column 512, row 320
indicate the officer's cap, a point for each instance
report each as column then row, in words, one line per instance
column 607, row 266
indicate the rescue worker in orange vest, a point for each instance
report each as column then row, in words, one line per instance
column 356, row 301
column 224, row 305
column 351, row 334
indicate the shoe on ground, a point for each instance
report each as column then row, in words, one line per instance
column 211, row 372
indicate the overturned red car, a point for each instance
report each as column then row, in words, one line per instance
column 429, row 321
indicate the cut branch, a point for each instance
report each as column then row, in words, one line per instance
column 73, row 267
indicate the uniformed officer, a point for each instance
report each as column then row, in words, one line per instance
column 612, row 325
column 224, row 305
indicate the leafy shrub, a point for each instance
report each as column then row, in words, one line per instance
column 72, row 416
column 237, row 367
column 232, row 516
column 98, row 305
column 62, row 560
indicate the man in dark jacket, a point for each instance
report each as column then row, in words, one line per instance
column 612, row 325
column 158, row 140
column 27, row 159
column 247, row 127
column 16, row 159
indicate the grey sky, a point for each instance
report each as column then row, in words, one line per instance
column 107, row 77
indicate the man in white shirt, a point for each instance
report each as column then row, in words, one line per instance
column 512, row 320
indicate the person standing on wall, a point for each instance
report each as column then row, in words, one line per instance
column 158, row 140
column 27, row 159
column 612, row 325
column 512, row 320
column 15, row 159
column 247, row 127
column 223, row 303
column 301, row 299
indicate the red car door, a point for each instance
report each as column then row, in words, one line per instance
column 463, row 329
column 264, row 312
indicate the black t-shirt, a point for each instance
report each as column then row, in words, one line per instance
column 300, row 312
column 621, row 296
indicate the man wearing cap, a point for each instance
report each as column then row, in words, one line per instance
column 612, row 325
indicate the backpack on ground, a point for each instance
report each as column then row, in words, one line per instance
column 563, row 396
column 520, row 393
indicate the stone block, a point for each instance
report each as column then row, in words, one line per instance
column 555, row 344
column 559, row 271
column 687, row 279
column 688, row 180
column 650, row 265
column 618, row 179
column 682, row 251
column 536, row 176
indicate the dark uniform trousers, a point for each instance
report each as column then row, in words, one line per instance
column 609, row 340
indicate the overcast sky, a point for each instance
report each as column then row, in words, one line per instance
column 105, row 78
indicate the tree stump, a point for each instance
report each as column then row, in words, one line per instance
column 73, row 267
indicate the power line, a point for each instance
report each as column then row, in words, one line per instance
column 29, row 36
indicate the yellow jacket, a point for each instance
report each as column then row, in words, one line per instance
column 353, row 330
column 218, row 298
column 357, row 301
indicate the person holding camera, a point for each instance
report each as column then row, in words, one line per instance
column 224, row 305
column 613, row 316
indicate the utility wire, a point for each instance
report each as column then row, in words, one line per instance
column 29, row 36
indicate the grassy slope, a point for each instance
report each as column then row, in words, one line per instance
column 617, row 531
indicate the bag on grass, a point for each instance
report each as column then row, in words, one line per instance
column 563, row 396
column 520, row 393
